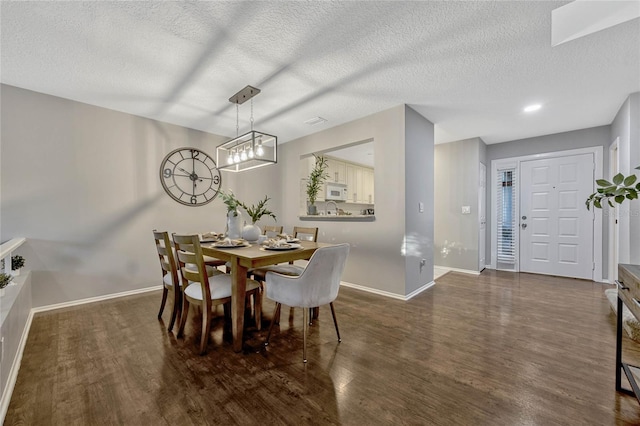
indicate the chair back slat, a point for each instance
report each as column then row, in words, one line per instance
column 189, row 251
column 305, row 233
column 165, row 255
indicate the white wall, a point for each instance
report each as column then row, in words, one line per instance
column 626, row 127
column 81, row 183
column 457, row 167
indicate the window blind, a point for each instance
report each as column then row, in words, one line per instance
column 506, row 200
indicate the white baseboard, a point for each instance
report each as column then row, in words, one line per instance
column 387, row 293
column 464, row 271
column 94, row 299
column 15, row 367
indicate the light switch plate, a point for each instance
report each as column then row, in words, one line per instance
column 466, row 209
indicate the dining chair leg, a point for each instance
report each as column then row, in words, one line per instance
column 206, row 327
column 276, row 311
column 179, row 317
column 183, row 320
column 257, row 302
column 174, row 313
column 310, row 316
column 335, row 321
column 305, row 329
column 164, row 300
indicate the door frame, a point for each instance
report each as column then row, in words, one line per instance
column 614, row 238
column 514, row 162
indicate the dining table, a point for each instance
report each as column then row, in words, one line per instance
column 243, row 258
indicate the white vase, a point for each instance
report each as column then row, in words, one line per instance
column 251, row 232
column 15, row 272
column 234, row 224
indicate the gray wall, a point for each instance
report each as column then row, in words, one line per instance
column 456, row 184
column 419, row 185
column 376, row 260
column 626, row 127
column 81, row 184
column 585, row 138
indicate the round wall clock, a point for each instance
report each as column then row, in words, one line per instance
column 190, row 176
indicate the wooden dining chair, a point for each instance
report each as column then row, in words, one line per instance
column 318, row 285
column 170, row 281
column 206, row 291
column 307, row 234
column 271, row 230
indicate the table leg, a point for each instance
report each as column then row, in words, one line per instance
column 238, row 296
column 619, row 345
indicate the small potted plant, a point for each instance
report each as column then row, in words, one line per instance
column 252, row 232
column 234, row 220
column 17, row 262
column 316, row 178
column 5, row 280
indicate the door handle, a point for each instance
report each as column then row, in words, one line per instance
column 524, row 226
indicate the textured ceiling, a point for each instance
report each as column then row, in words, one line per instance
column 469, row 67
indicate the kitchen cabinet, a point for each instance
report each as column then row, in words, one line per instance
column 359, row 184
column 336, row 170
column 368, row 186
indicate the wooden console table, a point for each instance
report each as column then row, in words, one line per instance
column 628, row 294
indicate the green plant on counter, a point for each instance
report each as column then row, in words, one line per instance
column 622, row 188
column 316, row 178
column 5, row 279
column 231, row 201
column 259, row 210
column 17, row 262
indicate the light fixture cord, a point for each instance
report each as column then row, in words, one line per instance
column 252, row 114
column 237, row 120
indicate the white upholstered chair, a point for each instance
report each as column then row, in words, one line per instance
column 203, row 290
column 317, row 285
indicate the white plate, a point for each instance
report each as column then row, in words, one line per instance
column 291, row 247
column 218, row 245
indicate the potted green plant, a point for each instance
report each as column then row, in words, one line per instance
column 622, row 188
column 316, row 178
column 255, row 211
column 17, row 262
column 5, row 280
column 234, row 220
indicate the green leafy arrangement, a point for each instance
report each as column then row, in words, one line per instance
column 316, row 178
column 5, row 279
column 231, row 201
column 621, row 189
column 17, row 262
column 259, row 210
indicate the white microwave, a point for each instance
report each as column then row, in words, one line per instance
column 336, row 192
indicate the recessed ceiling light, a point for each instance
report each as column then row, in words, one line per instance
column 315, row 120
column 532, row 108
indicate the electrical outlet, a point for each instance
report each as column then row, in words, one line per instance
column 466, row 209
column 420, row 207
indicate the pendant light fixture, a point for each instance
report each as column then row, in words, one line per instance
column 251, row 150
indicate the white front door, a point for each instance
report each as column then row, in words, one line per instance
column 556, row 229
column 482, row 216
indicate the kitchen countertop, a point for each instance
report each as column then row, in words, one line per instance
column 340, row 218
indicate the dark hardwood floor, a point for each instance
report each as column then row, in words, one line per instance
column 498, row 349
